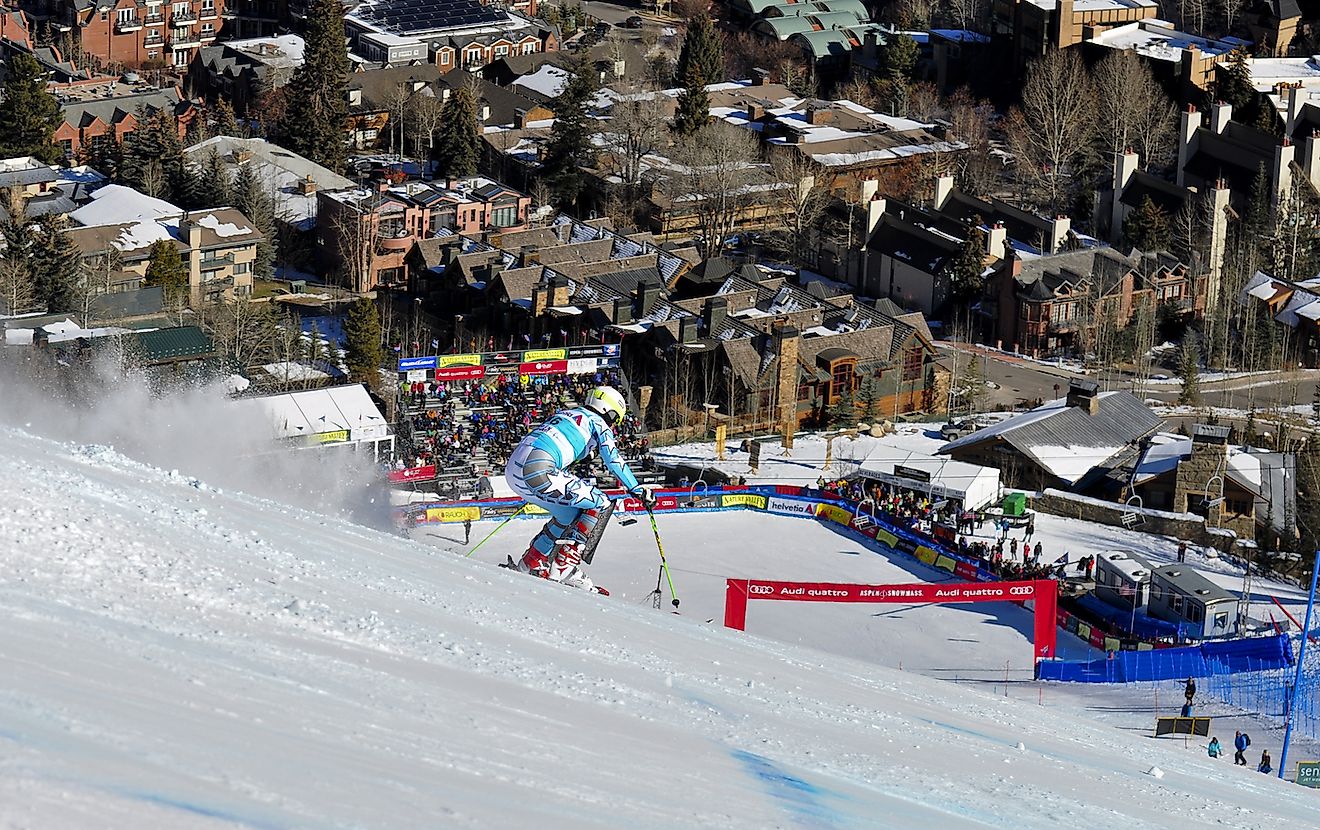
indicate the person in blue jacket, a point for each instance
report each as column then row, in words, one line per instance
column 1240, row 742
column 579, row 511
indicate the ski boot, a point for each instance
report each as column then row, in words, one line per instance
column 565, row 567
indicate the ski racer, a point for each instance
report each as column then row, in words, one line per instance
column 538, row 472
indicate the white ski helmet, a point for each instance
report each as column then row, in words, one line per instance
column 606, row 401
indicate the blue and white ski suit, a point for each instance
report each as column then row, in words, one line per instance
column 537, row 471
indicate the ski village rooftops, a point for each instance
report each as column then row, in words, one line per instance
column 1064, row 440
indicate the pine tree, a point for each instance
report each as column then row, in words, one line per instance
column 702, row 54
column 152, row 158
column 315, row 352
column 457, row 143
column 693, row 106
column 1233, row 86
column 225, row 123
column 1189, row 369
column 570, row 137
column 165, row 268
column 252, row 200
column 1147, row 227
column 964, row 270
column 843, row 412
column 900, row 57
column 55, row 264
column 29, row 114
column 213, row 182
column 364, row 355
column 1308, row 494
column 317, row 110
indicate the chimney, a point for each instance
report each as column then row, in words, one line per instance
column 995, row 240
column 819, row 115
column 687, row 329
column 1219, row 118
column 786, row 382
column 647, row 295
column 1296, row 100
column 717, row 308
column 1218, row 242
column 1059, row 228
column 558, row 291
column 1312, row 158
column 875, row 210
column 1084, row 394
column 760, row 77
column 870, row 45
column 943, row 187
column 1189, row 123
column 242, row 156
column 540, row 300
column 1281, row 180
column 307, row 186
column 1125, row 164
column 622, row 310
column 755, row 111
column 519, row 119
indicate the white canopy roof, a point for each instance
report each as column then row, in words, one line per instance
column 320, row 411
column 975, row 486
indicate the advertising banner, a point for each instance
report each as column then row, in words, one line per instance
column 1308, row 773
column 416, row 375
column 460, row 373
column 945, row 563
column 413, row 474
column 934, row 592
column 332, row 437
column 923, row 553
column 453, row 514
column 790, row 507
column 886, row 538
column 544, row 367
column 965, row 570
column 447, row 360
column 409, row 363
column 753, row 500
column 534, row 355
column 833, row 513
column 500, row 510
column 581, row 365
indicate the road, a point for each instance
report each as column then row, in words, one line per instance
column 1018, row 381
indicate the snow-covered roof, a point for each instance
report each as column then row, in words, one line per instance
column 115, row 204
column 549, row 80
column 322, row 412
column 1129, row 564
column 1162, row 456
column 1161, row 40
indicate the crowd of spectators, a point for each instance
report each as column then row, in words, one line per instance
column 452, row 421
column 919, row 513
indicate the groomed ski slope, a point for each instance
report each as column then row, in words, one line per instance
column 175, row 656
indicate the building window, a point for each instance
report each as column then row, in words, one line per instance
column 242, row 267
column 841, row 381
column 1176, row 603
column 504, row 217
column 1156, row 591
column 1221, row 620
column 181, row 57
column 501, row 51
column 529, row 48
column 124, row 16
column 208, row 30
column 208, row 7
column 179, row 8
column 912, row 361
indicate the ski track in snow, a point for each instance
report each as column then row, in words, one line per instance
column 176, row 656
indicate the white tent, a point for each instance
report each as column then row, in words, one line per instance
column 331, row 416
column 940, row 476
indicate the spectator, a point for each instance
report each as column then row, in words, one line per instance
column 467, row 531
column 1189, row 690
column 1182, row 551
column 1240, row 743
column 1265, row 763
column 1215, row 750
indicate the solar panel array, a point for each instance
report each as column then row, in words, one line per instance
column 406, row 16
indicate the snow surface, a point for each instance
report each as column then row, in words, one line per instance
column 178, row 655
column 222, row 229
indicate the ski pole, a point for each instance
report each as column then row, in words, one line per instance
column 663, row 563
column 512, row 516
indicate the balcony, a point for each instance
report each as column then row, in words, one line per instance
column 185, row 42
column 394, row 244
column 208, row 14
column 154, row 39
column 130, row 25
column 183, row 18
column 216, row 263
column 154, row 20
column 228, row 14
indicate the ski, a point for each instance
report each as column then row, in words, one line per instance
column 511, row 565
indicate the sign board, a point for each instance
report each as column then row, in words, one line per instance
column 911, row 473
column 752, row 500
column 544, row 367
column 415, row 375
column 460, row 373
column 1308, row 773
column 425, row 473
column 447, row 360
column 332, row 437
column 409, row 363
column 581, row 365
column 1181, row 726
column 534, row 355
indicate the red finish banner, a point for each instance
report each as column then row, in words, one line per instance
column 916, row 592
column 964, row 570
column 460, row 373
column 544, row 367
column 1043, row 592
column 413, row 474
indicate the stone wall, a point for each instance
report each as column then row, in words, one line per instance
column 1186, row 526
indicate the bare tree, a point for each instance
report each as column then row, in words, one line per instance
column 963, row 13
column 803, row 208
column 1049, row 134
column 1132, row 110
column 860, row 90
column 972, row 122
column 245, row 331
column 16, row 293
column 716, row 173
column 357, row 232
column 637, row 127
column 423, row 121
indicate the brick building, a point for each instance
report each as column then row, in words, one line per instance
column 130, row 34
column 95, row 111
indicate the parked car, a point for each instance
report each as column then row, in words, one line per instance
column 957, row 429
column 634, row 22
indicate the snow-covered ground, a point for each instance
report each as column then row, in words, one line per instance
column 180, row 656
